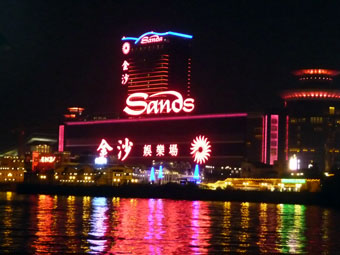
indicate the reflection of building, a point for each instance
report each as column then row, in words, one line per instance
column 313, row 120
column 156, row 62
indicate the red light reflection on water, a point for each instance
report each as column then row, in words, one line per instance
column 158, row 226
column 44, row 224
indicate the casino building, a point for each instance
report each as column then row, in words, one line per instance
column 161, row 127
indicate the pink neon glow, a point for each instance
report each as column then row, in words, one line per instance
column 147, row 150
column 126, row 48
column 173, row 150
column 61, row 138
column 47, row 159
column 287, row 137
column 274, row 138
column 141, row 106
column 200, row 149
column 125, row 65
column 265, row 138
column 317, row 94
column 103, row 148
column 151, row 39
column 124, row 148
column 160, row 150
column 263, row 142
column 193, row 117
column 125, row 78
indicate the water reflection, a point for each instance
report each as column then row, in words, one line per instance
column 44, row 224
column 98, row 219
column 7, row 224
column 84, row 225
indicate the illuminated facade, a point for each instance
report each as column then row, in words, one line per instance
column 157, row 62
column 219, row 139
column 312, row 122
column 170, row 138
column 11, row 169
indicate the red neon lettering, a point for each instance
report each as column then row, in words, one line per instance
column 125, row 78
column 124, row 147
column 147, row 151
column 103, row 148
column 125, row 65
column 160, row 150
column 173, row 150
column 151, row 39
column 137, row 104
column 138, row 107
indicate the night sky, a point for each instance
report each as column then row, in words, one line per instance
column 55, row 54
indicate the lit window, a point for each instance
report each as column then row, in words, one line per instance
column 331, row 110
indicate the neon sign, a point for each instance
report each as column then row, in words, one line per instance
column 151, row 39
column 200, row 149
column 125, row 78
column 138, row 104
column 138, row 39
column 103, row 149
column 173, row 150
column 47, row 159
column 147, row 150
column 124, row 148
column 126, row 48
column 160, row 150
column 125, row 65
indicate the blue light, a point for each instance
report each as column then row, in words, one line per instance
column 155, row 33
column 152, row 174
column 160, row 173
column 197, row 172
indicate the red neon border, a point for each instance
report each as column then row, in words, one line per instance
column 193, row 117
column 287, row 136
column 274, row 139
column 264, row 148
column 61, row 138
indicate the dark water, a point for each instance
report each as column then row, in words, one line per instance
column 42, row 224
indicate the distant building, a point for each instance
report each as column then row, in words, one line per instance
column 312, row 132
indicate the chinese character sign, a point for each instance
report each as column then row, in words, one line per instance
column 124, row 148
column 173, row 150
column 126, row 64
column 103, row 148
column 147, row 150
column 161, row 150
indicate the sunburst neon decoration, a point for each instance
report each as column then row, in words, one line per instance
column 200, row 149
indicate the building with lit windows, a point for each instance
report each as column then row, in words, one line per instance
column 157, row 62
column 160, row 130
column 11, row 169
column 312, row 139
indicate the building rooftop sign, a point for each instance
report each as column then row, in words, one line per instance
column 153, row 37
